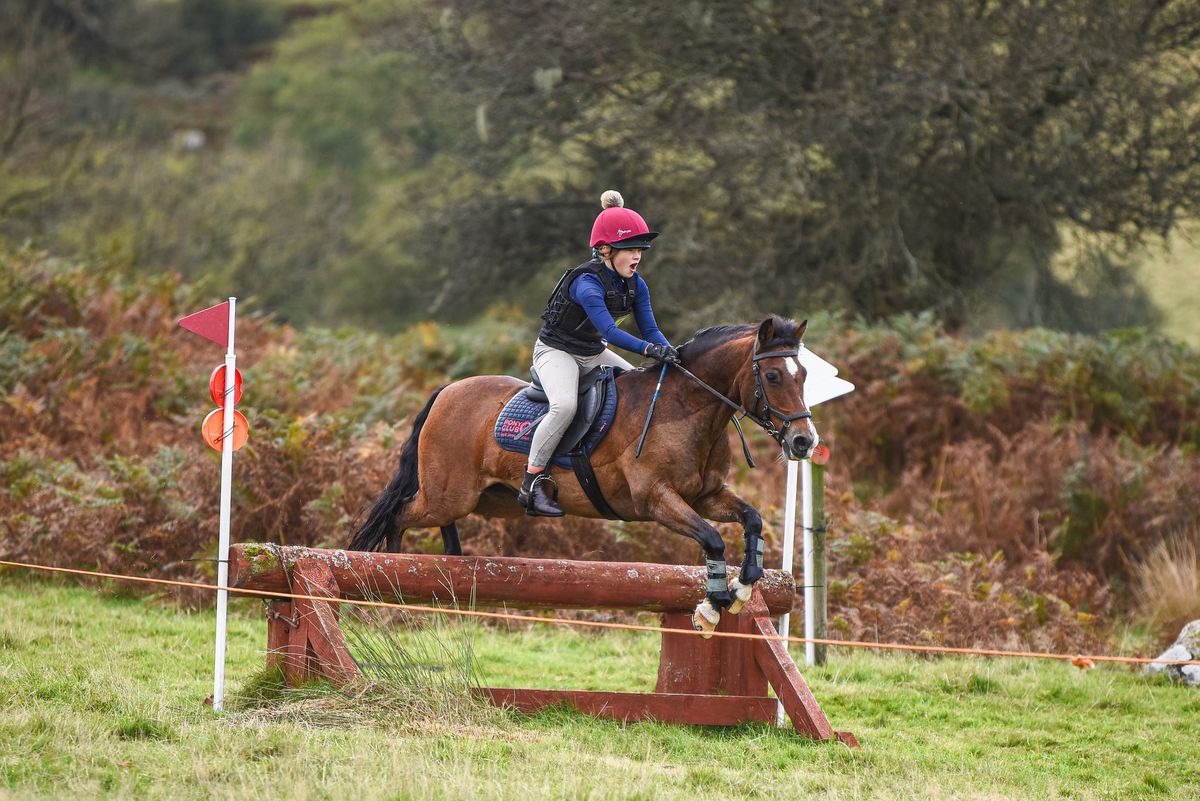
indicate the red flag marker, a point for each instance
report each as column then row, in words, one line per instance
column 211, row 323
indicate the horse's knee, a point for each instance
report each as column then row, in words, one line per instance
column 710, row 540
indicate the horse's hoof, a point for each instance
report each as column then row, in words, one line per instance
column 705, row 619
column 741, row 594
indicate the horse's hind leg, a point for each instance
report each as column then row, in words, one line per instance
column 496, row 500
column 393, row 540
column 673, row 512
column 729, row 508
column 450, row 544
column 438, row 504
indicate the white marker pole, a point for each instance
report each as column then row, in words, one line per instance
column 789, row 546
column 226, row 495
column 810, row 605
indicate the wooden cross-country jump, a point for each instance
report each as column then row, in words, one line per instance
column 720, row 681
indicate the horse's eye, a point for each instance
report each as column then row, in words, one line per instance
column 772, row 377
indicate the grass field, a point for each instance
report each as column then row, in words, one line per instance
column 102, row 696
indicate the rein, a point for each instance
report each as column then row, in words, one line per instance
column 760, row 395
column 737, row 407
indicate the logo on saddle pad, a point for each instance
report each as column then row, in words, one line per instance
column 520, row 417
column 516, row 428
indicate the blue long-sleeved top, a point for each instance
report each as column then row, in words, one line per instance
column 588, row 292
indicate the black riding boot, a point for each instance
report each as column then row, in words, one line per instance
column 536, row 497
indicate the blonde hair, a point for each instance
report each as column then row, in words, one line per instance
column 611, row 198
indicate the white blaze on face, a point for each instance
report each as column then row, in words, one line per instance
column 793, row 367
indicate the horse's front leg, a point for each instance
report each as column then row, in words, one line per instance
column 673, row 512
column 726, row 507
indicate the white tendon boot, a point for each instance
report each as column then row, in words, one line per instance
column 705, row 619
column 741, row 592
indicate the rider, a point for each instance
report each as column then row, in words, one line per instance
column 579, row 322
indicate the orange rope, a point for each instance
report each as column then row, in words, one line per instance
column 1079, row 660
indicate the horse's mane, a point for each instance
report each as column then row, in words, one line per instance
column 717, row 335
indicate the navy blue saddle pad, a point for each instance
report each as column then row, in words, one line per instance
column 593, row 417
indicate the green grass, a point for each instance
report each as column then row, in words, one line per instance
column 102, row 696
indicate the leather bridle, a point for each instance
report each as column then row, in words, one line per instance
column 760, row 395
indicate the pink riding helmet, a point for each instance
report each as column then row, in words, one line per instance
column 620, row 227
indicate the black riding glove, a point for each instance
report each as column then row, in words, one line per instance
column 664, row 353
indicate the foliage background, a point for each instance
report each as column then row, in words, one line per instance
column 993, row 491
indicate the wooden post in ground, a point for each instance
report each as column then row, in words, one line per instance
column 303, row 635
column 820, row 568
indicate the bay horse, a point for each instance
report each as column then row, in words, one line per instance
column 451, row 466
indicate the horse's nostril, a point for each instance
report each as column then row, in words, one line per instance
column 801, row 443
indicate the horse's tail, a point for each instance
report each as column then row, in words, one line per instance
column 400, row 490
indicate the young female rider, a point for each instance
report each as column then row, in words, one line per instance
column 579, row 322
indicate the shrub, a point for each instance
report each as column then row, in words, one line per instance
column 1167, row 584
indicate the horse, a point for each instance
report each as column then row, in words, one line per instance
column 451, row 465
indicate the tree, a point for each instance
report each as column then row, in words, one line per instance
column 881, row 157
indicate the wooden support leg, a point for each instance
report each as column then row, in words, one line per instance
column 329, row 656
column 279, row 627
column 296, row 667
column 314, row 647
column 798, row 701
column 690, row 664
column 727, row 666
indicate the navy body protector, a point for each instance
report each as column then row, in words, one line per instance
column 566, row 324
column 593, row 419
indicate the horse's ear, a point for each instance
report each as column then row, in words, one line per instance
column 800, row 329
column 766, row 331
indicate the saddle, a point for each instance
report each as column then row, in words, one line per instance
column 593, row 418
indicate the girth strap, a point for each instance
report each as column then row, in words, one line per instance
column 591, row 487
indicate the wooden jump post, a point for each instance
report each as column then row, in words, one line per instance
column 721, row 681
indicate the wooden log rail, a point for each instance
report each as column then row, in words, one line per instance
column 495, row 580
